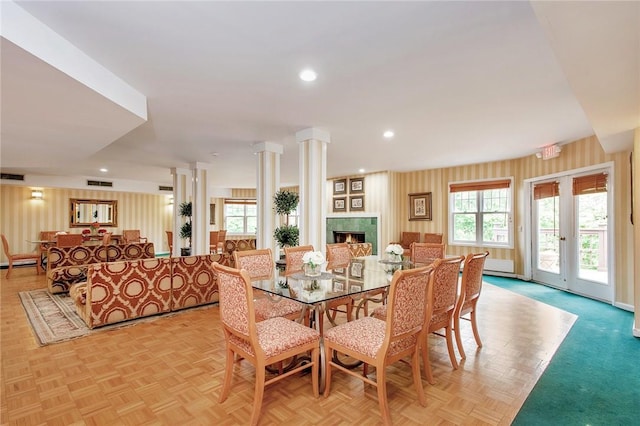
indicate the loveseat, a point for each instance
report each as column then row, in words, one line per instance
column 121, row 291
column 68, row 265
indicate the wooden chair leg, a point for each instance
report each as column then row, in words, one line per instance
column 474, row 326
column 258, row 394
column 228, row 371
column 10, row 268
column 425, row 360
column 452, row 353
column 457, row 331
column 381, row 382
column 417, row 379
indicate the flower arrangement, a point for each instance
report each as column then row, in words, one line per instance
column 94, row 226
column 394, row 252
column 312, row 261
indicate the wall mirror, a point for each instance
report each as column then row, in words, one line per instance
column 85, row 212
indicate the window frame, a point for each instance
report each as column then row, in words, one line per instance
column 244, row 202
column 479, row 213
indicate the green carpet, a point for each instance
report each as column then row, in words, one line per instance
column 594, row 377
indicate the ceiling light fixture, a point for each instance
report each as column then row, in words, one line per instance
column 104, row 170
column 308, row 75
column 360, row 170
column 388, row 134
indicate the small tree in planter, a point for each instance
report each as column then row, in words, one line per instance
column 185, row 211
column 284, row 203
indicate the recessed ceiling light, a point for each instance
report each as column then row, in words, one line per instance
column 308, row 75
column 360, row 170
column 388, row 134
column 104, row 170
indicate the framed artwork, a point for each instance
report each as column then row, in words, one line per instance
column 356, row 268
column 356, row 185
column 356, row 204
column 339, row 186
column 212, row 214
column 338, row 286
column 340, row 204
column 353, row 288
column 420, row 206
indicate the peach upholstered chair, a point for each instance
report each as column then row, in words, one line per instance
column 259, row 265
column 426, row 252
column 338, row 256
column 12, row 257
column 408, row 238
column 69, row 240
column 170, row 242
column 383, row 342
column 213, row 242
column 470, row 287
column 222, row 238
column 261, row 343
column 133, row 236
column 430, row 237
column 293, row 258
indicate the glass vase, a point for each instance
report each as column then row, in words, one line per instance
column 312, row 270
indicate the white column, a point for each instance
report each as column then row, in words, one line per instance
column 636, row 227
column 268, row 183
column 201, row 212
column 313, row 176
column 181, row 193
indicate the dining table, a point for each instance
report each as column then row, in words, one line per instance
column 358, row 279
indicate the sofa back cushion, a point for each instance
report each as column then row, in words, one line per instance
column 131, row 251
column 193, row 281
column 75, row 256
column 118, row 291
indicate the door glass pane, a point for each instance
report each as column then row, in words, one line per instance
column 548, row 234
column 592, row 232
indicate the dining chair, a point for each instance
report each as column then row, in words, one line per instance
column 408, row 238
column 430, row 237
column 170, row 242
column 261, row 343
column 383, row 342
column 106, row 238
column 470, row 287
column 13, row 257
column 69, row 240
column 293, row 259
column 338, row 256
column 133, row 236
column 442, row 302
column 222, row 238
column 259, row 265
column 213, row 242
column 426, row 252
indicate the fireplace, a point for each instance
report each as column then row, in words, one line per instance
column 348, row 237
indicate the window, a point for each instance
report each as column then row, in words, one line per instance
column 240, row 216
column 480, row 213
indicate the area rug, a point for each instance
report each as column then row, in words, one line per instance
column 53, row 317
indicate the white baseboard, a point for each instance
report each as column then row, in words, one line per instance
column 624, row 306
column 636, row 332
column 499, row 265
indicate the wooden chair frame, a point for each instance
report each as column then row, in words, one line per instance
column 12, row 257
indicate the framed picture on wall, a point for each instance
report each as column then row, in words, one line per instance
column 356, row 204
column 340, row 204
column 212, row 214
column 339, row 186
column 420, row 206
column 356, row 185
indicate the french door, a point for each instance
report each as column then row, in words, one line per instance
column 570, row 233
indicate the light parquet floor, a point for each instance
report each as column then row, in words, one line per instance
column 169, row 372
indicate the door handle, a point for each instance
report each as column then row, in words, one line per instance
column 562, row 238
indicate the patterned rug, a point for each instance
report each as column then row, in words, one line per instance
column 53, row 317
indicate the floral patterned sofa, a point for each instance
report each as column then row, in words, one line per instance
column 68, row 265
column 121, row 291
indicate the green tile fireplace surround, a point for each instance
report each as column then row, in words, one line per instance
column 366, row 225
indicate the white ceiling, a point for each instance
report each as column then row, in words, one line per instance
column 458, row 82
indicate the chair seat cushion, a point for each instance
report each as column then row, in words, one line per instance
column 364, row 335
column 266, row 308
column 380, row 312
column 277, row 335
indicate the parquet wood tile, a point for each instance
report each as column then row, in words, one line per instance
column 169, row 371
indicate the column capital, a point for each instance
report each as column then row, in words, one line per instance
column 313, row 133
column 268, row 147
column 179, row 171
column 199, row 165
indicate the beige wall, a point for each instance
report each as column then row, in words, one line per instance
column 22, row 218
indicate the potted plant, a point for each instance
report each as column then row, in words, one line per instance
column 185, row 211
column 284, row 202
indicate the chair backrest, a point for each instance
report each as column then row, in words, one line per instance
column 106, row 238
column 471, row 282
column 170, row 241
column 445, row 284
column 293, row 258
column 338, row 255
column 222, row 236
column 213, row 239
column 5, row 246
column 408, row 238
column 426, row 252
column 259, row 263
column 131, row 235
column 430, row 237
column 69, row 240
column 48, row 235
column 235, row 301
column 407, row 306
